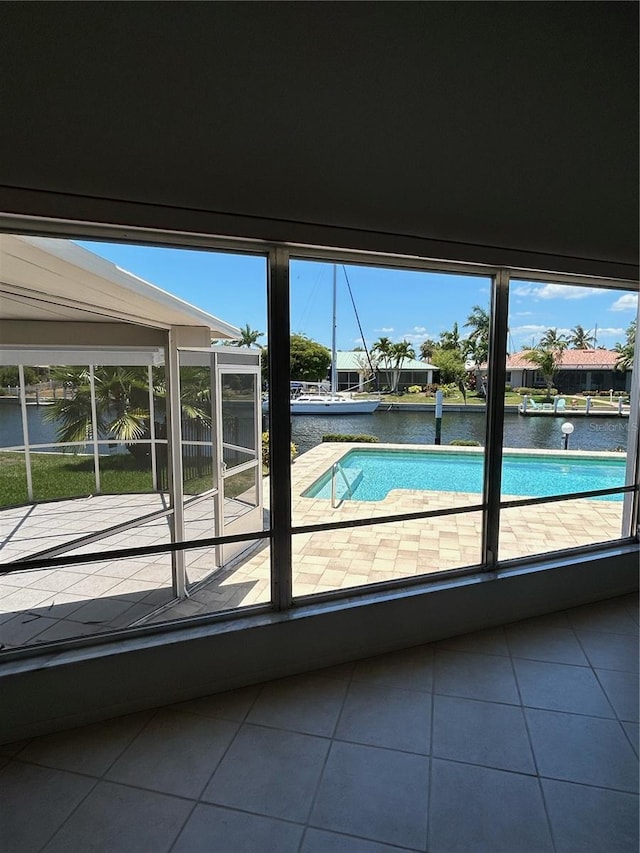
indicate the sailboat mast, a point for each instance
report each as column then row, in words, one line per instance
column 334, row 367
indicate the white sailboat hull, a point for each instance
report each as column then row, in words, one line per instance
column 333, row 407
column 319, row 405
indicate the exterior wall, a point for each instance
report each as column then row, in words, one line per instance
column 574, row 381
column 350, row 380
column 568, row 381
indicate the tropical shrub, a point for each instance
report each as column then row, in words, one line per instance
column 465, row 442
column 449, row 388
column 265, row 451
column 414, row 389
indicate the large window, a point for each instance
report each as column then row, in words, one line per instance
column 130, row 424
column 570, row 432
column 388, row 446
column 266, row 428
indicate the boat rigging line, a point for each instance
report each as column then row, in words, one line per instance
column 364, row 343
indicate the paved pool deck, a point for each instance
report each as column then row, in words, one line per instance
column 40, row 606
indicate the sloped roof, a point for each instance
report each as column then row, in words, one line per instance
column 570, row 359
column 49, row 279
column 357, row 360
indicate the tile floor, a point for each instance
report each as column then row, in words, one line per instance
column 520, row 739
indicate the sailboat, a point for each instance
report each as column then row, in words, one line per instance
column 316, row 399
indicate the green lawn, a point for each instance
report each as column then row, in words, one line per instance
column 452, row 398
column 62, row 475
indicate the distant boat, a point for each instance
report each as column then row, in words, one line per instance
column 331, row 404
column 317, row 398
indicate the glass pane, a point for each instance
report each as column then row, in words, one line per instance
column 232, row 456
column 527, row 531
column 425, row 338
column 70, row 504
column 197, row 466
column 196, row 423
column 86, row 599
column 239, row 410
column 241, row 493
column 340, row 559
column 567, row 429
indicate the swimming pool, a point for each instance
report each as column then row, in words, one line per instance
column 372, row 474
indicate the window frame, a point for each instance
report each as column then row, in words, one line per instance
column 281, row 530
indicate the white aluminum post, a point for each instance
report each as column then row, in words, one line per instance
column 631, row 508
column 25, row 433
column 94, row 428
column 152, row 431
column 174, row 416
column 334, row 354
column 258, row 432
column 217, row 455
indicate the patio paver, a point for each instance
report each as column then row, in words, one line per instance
column 124, row 592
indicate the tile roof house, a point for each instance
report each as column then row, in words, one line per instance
column 579, row 370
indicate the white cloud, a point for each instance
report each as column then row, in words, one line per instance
column 555, row 291
column 523, row 314
column 529, row 329
column 416, row 338
column 628, row 302
column 610, row 330
column 385, row 330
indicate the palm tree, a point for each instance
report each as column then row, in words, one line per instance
column 450, row 340
column 400, row 352
column 427, row 348
column 383, row 348
column 248, row 337
column 627, row 349
column 477, row 344
column 552, row 339
column 547, row 360
column 580, row 338
column 122, row 402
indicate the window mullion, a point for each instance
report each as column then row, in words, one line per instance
column 496, row 375
column 279, row 427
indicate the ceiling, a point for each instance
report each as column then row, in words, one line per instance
column 501, row 125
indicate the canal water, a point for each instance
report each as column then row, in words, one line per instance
column 406, row 427
column 399, row 427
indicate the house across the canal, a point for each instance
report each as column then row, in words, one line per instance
column 355, row 373
column 579, row 370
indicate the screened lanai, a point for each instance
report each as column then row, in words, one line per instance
column 156, row 440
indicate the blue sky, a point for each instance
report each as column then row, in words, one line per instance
column 397, row 303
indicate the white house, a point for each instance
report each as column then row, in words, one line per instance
column 354, row 372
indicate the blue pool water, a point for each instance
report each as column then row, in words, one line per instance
column 373, row 473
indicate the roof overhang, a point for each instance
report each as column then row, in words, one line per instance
column 50, row 280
